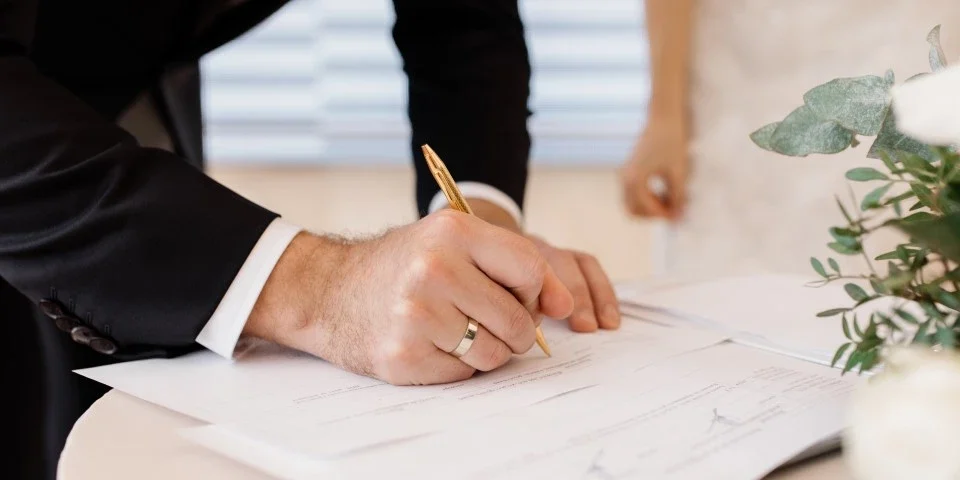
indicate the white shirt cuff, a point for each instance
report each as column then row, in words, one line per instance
column 222, row 331
column 480, row 191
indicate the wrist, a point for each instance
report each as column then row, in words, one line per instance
column 294, row 293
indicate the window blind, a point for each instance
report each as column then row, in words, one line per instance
column 320, row 83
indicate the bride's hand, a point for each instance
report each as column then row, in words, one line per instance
column 660, row 154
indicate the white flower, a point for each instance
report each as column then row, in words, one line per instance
column 905, row 421
column 928, row 108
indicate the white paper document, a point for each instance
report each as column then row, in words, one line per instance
column 724, row 411
column 279, row 385
column 345, row 420
column 773, row 312
column 668, row 397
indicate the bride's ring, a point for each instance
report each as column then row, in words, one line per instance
column 467, row 341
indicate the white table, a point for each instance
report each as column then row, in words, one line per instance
column 122, row 437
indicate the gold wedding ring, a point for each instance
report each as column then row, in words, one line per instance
column 467, row 341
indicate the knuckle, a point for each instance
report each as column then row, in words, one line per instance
column 519, row 326
column 446, row 223
column 408, row 313
column 536, row 263
column 495, row 356
column 395, row 363
column 427, row 266
column 587, row 258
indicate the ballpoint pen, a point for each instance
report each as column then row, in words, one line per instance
column 457, row 202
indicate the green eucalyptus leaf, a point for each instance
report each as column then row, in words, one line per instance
column 953, row 275
column 832, row 312
column 853, row 360
column 843, row 210
column 871, row 332
column 906, row 316
column 846, row 237
column 843, row 249
column 868, row 361
column 946, row 337
column 903, row 254
column 918, row 217
column 921, row 333
column 919, row 261
column 846, row 328
column 898, row 280
column 949, row 198
column 871, row 342
column 931, row 310
column 857, row 103
column 834, row 265
column 872, row 199
column 856, row 292
column 761, row 137
column 941, row 234
column 887, row 160
column 843, row 232
column 951, row 164
column 924, row 194
column 890, row 139
column 878, row 287
column 918, row 167
column 886, row 320
column 892, row 269
column 914, row 77
column 948, row 299
column 818, row 267
column 840, row 351
column 865, row 174
column 803, row 133
column 937, row 59
column 887, row 256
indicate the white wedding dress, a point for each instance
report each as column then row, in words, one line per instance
column 755, row 211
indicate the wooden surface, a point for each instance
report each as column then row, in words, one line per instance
column 122, row 437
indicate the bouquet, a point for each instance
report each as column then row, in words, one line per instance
column 916, row 173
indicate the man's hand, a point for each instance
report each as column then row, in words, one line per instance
column 595, row 302
column 392, row 307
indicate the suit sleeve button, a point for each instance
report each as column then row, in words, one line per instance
column 82, row 335
column 50, row 308
column 103, row 345
column 66, row 323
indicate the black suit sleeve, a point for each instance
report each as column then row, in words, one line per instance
column 469, row 75
column 133, row 242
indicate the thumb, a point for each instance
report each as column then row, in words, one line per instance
column 556, row 301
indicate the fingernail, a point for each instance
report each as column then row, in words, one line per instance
column 612, row 316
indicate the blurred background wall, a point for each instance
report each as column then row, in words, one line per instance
column 306, row 115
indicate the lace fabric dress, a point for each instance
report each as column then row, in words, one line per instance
column 754, row 211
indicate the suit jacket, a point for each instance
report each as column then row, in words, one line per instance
column 112, row 251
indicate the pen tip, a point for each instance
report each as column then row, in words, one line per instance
column 429, row 155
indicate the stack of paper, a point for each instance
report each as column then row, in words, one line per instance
column 772, row 312
column 648, row 401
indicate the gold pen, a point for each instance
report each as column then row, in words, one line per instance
column 457, row 202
